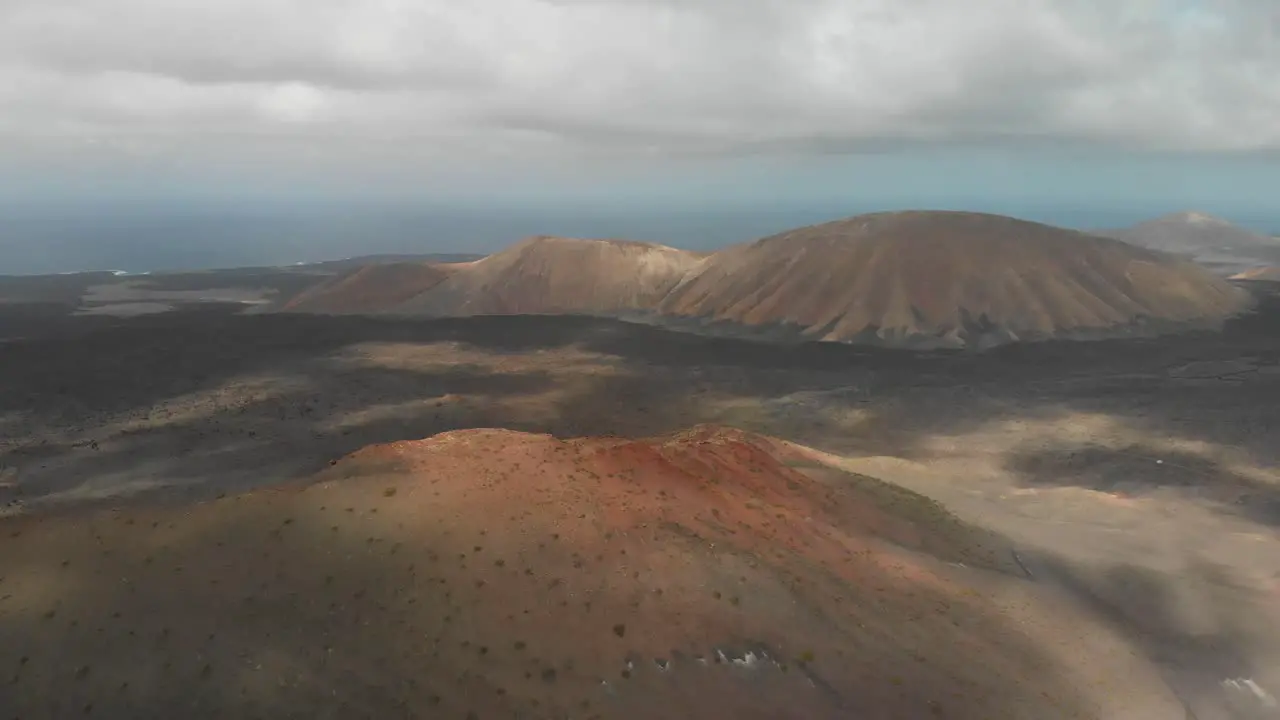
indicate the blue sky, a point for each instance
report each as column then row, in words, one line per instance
column 690, row 122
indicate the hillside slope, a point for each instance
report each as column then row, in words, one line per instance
column 496, row 574
column 550, row 275
column 558, row 276
column 948, row 279
column 369, row 288
column 1204, row 238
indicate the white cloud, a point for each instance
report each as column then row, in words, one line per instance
column 293, row 102
column 644, row 74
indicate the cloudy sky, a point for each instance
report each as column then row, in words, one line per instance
column 1152, row 105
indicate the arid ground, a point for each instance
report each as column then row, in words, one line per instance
column 1134, row 486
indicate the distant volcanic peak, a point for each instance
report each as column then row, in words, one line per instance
column 1191, row 227
column 558, row 275
column 943, row 215
column 943, row 278
column 556, row 248
column 536, row 239
column 1262, row 273
column 561, row 242
column 1194, row 217
column 910, row 217
column 915, row 226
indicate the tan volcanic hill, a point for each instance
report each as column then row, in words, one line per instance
column 370, row 288
column 1210, row 241
column 1193, row 233
column 948, row 278
column 495, row 574
column 548, row 275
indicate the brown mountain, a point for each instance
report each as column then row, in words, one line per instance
column 369, row 288
column 495, row 574
column 1209, row 240
column 948, row 279
column 923, row 279
column 554, row 275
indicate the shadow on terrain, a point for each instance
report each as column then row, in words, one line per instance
column 157, row 402
column 114, row 364
column 77, row 371
column 1218, row 388
column 1140, row 470
column 279, row 435
column 1199, row 626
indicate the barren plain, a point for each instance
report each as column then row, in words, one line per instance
column 220, row 514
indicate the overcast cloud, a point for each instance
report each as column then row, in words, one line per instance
column 694, row 75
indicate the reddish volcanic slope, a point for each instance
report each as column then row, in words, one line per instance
column 370, row 288
column 494, row 574
column 554, row 275
column 948, row 278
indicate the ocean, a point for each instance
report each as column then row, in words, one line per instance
column 140, row 238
